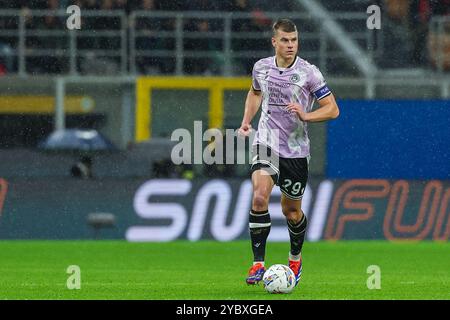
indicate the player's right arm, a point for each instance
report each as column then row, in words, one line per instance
column 252, row 104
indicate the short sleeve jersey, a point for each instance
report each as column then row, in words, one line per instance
column 300, row 83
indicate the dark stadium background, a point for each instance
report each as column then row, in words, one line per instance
column 381, row 171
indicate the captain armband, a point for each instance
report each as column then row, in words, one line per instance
column 322, row 92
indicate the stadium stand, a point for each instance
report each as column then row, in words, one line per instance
column 106, row 45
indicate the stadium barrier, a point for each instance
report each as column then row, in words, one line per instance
column 41, row 104
column 112, row 42
column 171, row 209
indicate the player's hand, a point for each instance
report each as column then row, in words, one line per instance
column 245, row 129
column 297, row 109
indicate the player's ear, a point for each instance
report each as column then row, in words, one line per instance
column 273, row 42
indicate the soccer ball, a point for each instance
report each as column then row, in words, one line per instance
column 279, row 279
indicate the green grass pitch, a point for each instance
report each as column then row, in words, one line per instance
column 216, row 270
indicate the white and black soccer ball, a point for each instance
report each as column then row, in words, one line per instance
column 279, row 279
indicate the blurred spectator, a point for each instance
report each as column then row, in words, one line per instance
column 153, row 40
column 18, row 4
column 398, row 37
column 122, row 5
column 241, row 25
column 172, row 5
column 6, row 58
column 407, row 22
column 439, row 50
column 245, row 25
column 3, row 70
column 91, row 4
column 32, row 43
column 420, row 12
column 52, row 64
column 285, row 6
column 107, row 5
column 439, row 39
column 441, row 7
column 149, row 40
column 201, row 5
column 397, row 9
column 151, row 27
column 106, row 22
column 203, row 65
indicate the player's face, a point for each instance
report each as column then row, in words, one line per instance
column 285, row 44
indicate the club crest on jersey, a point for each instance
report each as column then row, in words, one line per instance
column 295, row 78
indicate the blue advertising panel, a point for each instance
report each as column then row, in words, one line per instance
column 405, row 139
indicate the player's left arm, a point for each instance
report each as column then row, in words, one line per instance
column 328, row 110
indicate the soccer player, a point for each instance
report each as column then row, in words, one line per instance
column 286, row 87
